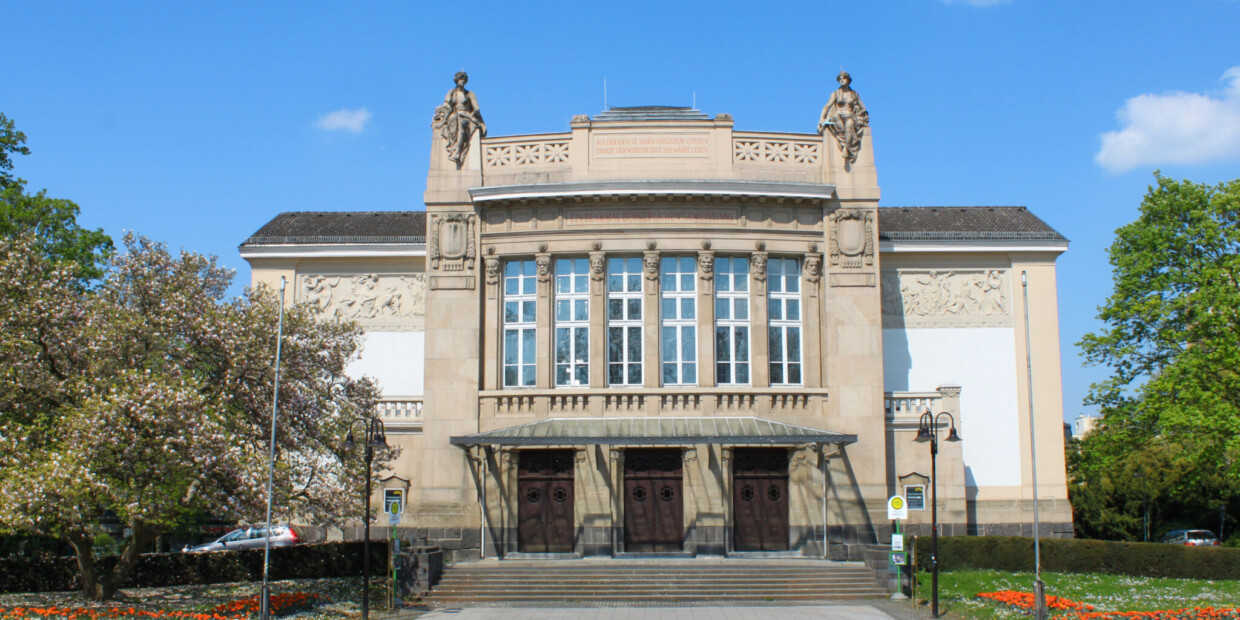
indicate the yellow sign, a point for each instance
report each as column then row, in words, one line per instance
column 897, row 508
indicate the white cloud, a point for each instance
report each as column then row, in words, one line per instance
column 352, row 121
column 1175, row 128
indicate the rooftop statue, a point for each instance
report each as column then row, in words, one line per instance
column 845, row 117
column 457, row 118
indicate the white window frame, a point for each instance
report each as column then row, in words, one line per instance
column 679, row 360
column 732, row 357
column 571, row 313
column 624, row 313
column 784, row 294
column 520, row 332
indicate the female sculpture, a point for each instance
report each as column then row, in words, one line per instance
column 845, row 117
column 457, row 118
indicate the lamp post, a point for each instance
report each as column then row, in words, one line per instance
column 264, row 611
column 928, row 430
column 374, row 437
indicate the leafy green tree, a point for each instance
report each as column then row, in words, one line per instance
column 148, row 398
column 52, row 221
column 1172, row 342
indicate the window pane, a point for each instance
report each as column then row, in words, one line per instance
column 635, row 344
column 686, row 282
column 722, row 352
column 615, row 374
column 793, row 283
column 561, row 346
column 776, row 281
column 635, row 283
column 582, row 375
column 688, row 344
column 635, row 309
column 669, row 309
column 512, row 268
column 741, row 309
column 511, row 284
column 529, row 286
column 635, row 374
column 561, row 374
column 669, row 373
column 510, row 346
column 723, row 283
column 669, row 343
column 688, row 373
column 581, row 310
column 527, row 346
column 615, row 344
column 582, row 344
column 667, row 282
column 742, row 373
column 527, row 375
column 776, row 309
column 615, row 283
column 777, row 374
column 723, row 374
column 510, row 312
column 776, row 344
column 722, row 309
column 562, row 308
column 794, row 344
column 688, row 308
column 615, row 309
column 794, row 373
column 794, row 309
column 742, row 344
column 529, row 311
column 510, row 375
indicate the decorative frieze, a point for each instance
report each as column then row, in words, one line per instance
column 946, row 298
column 775, row 151
column 381, row 302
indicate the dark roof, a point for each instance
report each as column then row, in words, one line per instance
column 894, row 224
column 945, row 223
column 342, row 227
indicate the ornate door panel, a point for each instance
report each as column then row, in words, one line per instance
column 545, row 501
column 654, row 507
column 760, row 499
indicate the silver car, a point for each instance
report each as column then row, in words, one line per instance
column 1192, row 538
column 250, row 538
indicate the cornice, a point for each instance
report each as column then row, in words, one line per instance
column 677, row 187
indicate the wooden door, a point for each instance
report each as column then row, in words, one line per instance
column 654, row 506
column 760, row 499
column 545, row 501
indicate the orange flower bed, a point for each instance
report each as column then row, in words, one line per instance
column 281, row 604
column 1081, row 611
column 242, row 609
column 1024, row 600
column 1188, row 613
column 82, row 613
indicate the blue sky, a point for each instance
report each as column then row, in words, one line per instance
column 194, row 122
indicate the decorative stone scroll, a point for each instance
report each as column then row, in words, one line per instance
column 946, row 298
column 852, row 238
column 452, row 242
column 386, row 302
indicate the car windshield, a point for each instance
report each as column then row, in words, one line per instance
column 233, row 535
column 1201, row 534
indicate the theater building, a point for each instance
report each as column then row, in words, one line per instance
column 654, row 332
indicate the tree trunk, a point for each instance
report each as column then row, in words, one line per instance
column 83, row 547
column 103, row 587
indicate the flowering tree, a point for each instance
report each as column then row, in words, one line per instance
column 149, row 397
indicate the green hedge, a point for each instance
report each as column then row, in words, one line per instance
column 1061, row 555
column 336, row 559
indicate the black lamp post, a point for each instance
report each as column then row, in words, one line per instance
column 374, row 437
column 928, row 430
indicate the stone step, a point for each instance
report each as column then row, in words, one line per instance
column 679, row 599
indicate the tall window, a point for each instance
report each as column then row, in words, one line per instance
column 624, row 321
column 678, row 313
column 784, row 311
column 572, row 322
column 520, row 321
column 732, row 321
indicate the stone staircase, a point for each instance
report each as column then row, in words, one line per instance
column 604, row 582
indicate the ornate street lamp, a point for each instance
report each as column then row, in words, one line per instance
column 374, row 436
column 928, row 430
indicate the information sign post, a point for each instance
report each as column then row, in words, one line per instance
column 897, row 511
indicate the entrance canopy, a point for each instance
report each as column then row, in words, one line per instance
column 653, row 431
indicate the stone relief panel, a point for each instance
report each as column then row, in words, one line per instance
column 384, row 302
column 946, row 298
column 852, row 238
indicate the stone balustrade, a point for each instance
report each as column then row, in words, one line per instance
column 776, row 149
column 654, row 401
column 400, row 413
column 526, row 151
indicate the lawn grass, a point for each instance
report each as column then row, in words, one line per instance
column 343, row 596
column 958, row 592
